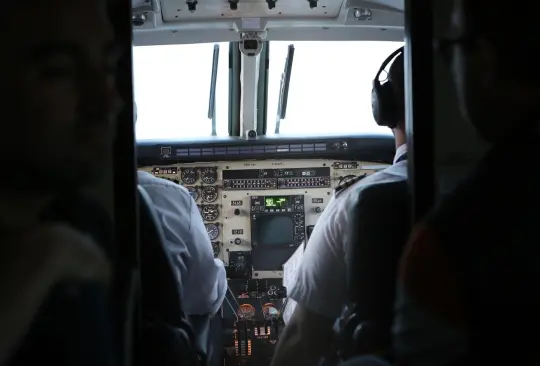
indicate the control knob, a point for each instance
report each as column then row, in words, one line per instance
column 317, row 209
column 237, row 241
column 237, row 212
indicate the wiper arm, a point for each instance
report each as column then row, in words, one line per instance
column 213, row 83
column 284, row 88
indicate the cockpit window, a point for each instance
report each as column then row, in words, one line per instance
column 330, row 86
column 172, row 89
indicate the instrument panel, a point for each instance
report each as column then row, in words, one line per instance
column 264, row 209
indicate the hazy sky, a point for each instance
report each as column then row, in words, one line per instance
column 330, row 89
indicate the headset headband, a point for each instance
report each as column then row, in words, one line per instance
column 386, row 62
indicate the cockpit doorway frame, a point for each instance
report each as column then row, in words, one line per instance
column 420, row 105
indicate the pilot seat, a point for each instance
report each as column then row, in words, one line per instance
column 381, row 226
column 169, row 337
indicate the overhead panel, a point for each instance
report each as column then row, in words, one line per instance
column 177, row 10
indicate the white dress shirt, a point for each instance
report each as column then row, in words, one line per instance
column 321, row 282
column 201, row 277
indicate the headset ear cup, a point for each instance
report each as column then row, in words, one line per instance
column 375, row 104
column 387, row 105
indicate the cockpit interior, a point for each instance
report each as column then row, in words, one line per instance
column 235, row 103
column 261, row 109
column 257, row 115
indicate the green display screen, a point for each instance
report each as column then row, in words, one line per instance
column 276, row 201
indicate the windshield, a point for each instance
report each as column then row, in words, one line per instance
column 172, row 90
column 330, row 86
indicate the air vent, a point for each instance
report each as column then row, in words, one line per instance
column 237, row 151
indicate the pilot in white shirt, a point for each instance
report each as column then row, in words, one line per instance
column 320, row 289
column 202, row 278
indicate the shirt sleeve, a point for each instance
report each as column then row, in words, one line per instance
column 430, row 323
column 202, row 277
column 320, row 285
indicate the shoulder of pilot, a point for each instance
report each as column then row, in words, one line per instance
column 147, row 179
column 155, row 185
column 359, row 182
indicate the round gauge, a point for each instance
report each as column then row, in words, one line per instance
column 189, row 175
column 270, row 311
column 216, row 248
column 212, row 230
column 209, row 194
column 209, row 175
column 193, row 192
column 210, row 212
column 246, row 311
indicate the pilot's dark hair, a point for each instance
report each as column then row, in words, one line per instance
column 509, row 31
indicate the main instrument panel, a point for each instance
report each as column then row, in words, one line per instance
column 257, row 213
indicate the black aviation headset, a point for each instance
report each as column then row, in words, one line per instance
column 386, row 108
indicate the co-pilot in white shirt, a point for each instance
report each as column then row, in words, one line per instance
column 202, row 278
column 321, row 281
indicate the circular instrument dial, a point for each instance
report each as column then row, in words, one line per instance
column 189, row 176
column 246, row 311
column 270, row 311
column 209, row 175
column 210, row 212
column 193, row 192
column 209, row 194
column 212, row 230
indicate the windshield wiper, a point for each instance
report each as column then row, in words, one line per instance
column 213, row 82
column 284, row 88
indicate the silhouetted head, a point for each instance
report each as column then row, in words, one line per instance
column 387, row 95
column 493, row 56
column 60, row 100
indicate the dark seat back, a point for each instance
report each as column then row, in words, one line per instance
column 167, row 337
column 380, row 226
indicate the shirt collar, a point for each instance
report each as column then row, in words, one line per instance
column 399, row 152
